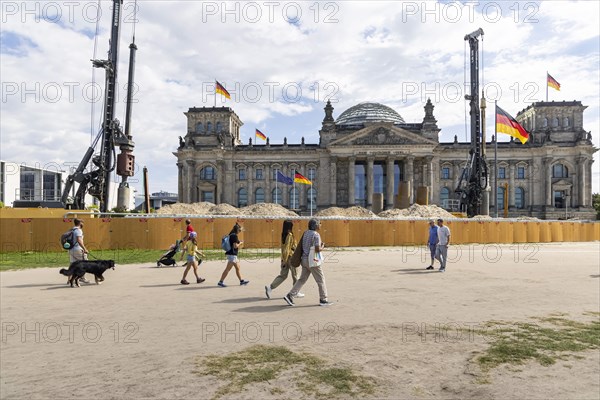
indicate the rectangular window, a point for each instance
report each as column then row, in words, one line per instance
column 445, row 173
column 208, row 196
column 312, row 174
column 242, row 174
column 520, row 172
column 259, row 173
column 501, row 173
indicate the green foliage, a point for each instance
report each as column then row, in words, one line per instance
column 596, row 204
column 264, row 364
column 1, row 204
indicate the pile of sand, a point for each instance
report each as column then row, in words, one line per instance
column 525, row 218
column 267, row 210
column 185, row 208
column 417, row 211
column 224, row 209
column 481, row 217
column 351, row 212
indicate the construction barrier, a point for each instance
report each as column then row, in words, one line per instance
column 158, row 233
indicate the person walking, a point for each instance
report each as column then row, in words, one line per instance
column 191, row 249
column 78, row 252
column 310, row 238
column 288, row 245
column 441, row 252
column 232, row 256
column 432, row 241
column 188, row 229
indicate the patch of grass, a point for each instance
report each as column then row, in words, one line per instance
column 260, row 363
column 48, row 259
column 555, row 340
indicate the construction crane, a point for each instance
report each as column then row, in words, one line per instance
column 474, row 178
column 95, row 179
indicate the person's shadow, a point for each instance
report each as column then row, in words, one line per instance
column 415, row 271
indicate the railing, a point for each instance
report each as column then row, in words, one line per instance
column 451, row 205
column 38, row 194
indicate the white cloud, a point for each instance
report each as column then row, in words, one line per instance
column 381, row 51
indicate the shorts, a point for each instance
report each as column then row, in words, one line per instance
column 190, row 259
column 232, row 258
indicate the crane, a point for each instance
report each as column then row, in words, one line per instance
column 474, row 178
column 95, row 180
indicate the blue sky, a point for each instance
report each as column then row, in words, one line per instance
column 282, row 60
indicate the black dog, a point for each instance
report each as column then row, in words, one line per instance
column 78, row 269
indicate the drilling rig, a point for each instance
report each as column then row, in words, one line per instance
column 474, row 178
column 95, row 180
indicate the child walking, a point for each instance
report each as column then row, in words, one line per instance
column 191, row 250
column 232, row 256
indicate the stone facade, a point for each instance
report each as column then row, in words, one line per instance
column 369, row 149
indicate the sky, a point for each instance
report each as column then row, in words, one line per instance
column 280, row 61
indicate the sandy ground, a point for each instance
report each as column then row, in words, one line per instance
column 140, row 333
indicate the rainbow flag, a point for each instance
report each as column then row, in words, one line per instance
column 507, row 124
column 221, row 89
column 260, row 135
column 553, row 83
column 299, row 178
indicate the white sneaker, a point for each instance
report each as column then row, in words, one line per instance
column 268, row 291
column 299, row 295
column 83, row 280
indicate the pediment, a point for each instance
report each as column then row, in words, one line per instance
column 562, row 184
column 381, row 135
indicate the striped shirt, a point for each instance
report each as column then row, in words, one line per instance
column 310, row 239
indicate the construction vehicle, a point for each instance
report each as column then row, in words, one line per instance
column 94, row 179
column 474, row 178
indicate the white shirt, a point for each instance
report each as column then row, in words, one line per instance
column 443, row 235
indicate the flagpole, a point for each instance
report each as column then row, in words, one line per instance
column 546, row 86
column 276, row 184
column 496, row 157
column 215, row 93
column 311, row 193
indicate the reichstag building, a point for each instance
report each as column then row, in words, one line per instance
column 369, row 152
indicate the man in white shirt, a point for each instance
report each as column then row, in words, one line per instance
column 441, row 251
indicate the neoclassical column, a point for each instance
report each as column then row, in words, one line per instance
column 588, row 176
column 511, row 185
column 456, row 174
column 267, row 174
column 581, row 163
column 351, row 179
column 332, row 180
column 220, row 182
column 191, row 166
column 389, row 184
column 250, row 179
column 302, row 198
column 428, row 178
column 410, row 177
column 548, row 175
column 531, row 182
column 370, row 161
column 180, row 182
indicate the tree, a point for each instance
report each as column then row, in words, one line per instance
column 596, row 204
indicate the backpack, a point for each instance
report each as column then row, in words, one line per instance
column 225, row 245
column 67, row 239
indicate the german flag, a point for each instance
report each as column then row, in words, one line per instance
column 221, row 89
column 299, row 178
column 507, row 124
column 260, row 135
column 553, row 83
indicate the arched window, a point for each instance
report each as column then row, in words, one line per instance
column 311, row 198
column 566, row 122
column 554, row 122
column 242, row 197
column 294, row 198
column 219, row 127
column 259, row 195
column 199, row 127
column 545, row 123
column 277, row 196
column 519, row 197
column 208, row 173
column 312, row 174
column 208, row 127
column 500, row 199
column 444, row 195
column 560, row 171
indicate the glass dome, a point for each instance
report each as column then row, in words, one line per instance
column 368, row 112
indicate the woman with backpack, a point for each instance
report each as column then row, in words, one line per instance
column 288, row 245
column 232, row 255
column 191, row 249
